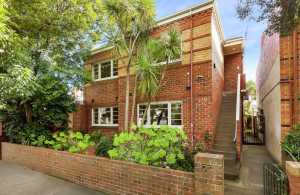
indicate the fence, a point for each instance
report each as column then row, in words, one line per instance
column 275, row 180
column 120, row 177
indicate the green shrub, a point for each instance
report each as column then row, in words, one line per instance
column 187, row 164
column 102, row 144
column 291, row 143
column 74, row 142
column 159, row 146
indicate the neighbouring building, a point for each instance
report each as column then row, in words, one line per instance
column 278, row 87
column 194, row 87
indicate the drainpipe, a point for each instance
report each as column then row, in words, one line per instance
column 191, row 79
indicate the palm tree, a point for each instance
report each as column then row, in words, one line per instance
column 150, row 72
column 126, row 26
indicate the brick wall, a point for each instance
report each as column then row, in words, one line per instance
column 289, row 81
column 293, row 172
column 120, row 177
column 207, row 92
column 233, row 65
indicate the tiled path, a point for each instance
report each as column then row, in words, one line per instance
column 17, row 180
column 251, row 174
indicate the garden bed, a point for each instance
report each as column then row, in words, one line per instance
column 120, row 177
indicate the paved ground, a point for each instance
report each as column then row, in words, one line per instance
column 251, row 174
column 17, row 180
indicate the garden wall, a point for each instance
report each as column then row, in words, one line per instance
column 120, row 177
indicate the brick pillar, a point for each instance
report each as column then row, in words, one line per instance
column 209, row 174
column 239, row 139
column 293, row 172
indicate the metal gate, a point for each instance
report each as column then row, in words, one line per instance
column 256, row 135
column 275, row 180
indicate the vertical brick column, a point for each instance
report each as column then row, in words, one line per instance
column 239, row 139
column 209, row 174
column 293, row 172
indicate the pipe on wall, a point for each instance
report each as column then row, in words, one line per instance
column 191, row 79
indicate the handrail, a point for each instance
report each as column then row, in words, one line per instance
column 238, row 105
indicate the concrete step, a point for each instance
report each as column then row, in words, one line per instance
column 228, row 154
column 231, row 169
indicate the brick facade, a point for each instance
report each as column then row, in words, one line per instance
column 293, row 172
column 233, row 66
column 201, row 106
column 120, row 177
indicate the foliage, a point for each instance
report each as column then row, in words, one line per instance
column 187, row 164
column 74, row 142
column 152, row 61
column 42, row 59
column 291, row 143
column 102, row 144
column 281, row 16
column 126, row 27
column 159, row 146
column 251, row 88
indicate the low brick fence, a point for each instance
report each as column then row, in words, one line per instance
column 293, row 172
column 121, row 177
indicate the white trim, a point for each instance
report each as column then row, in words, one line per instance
column 169, row 103
column 101, row 49
column 99, row 70
column 99, row 117
column 186, row 12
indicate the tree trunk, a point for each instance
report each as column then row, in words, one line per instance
column 133, row 101
column 146, row 111
column 28, row 112
column 127, row 98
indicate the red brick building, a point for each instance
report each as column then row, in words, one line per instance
column 194, row 85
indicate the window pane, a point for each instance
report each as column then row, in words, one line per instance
column 176, row 116
column 142, row 109
column 115, row 115
column 105, row 116
column 96, row 72
column 159, row 114
column 106, row 70
column 95, row 116
column 115, row 68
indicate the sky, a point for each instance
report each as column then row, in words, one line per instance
column 232, row 27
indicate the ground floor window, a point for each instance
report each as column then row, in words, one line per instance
column 161, row 113
column 105, row 116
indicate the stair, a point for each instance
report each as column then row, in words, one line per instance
column 223, row 143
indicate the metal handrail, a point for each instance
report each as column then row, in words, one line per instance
column 238, row 104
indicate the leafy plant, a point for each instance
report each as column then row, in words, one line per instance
column 159, row 146
column 291, row 143
column 102, row 144
column 74, row 142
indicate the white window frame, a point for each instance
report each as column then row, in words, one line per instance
column 99, row 70
column 99, row 117
column 169, row 112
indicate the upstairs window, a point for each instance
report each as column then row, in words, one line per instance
column 105, row 116
column 105, row 70
column 161, row 113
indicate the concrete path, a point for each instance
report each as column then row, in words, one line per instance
column 17, row 180
column 251, row 173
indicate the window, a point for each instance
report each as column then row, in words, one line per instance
column 105, row 70
column 105, row 116
column 161, row 113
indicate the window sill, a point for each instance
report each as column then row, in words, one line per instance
column 106, row 79
column 170, row 63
